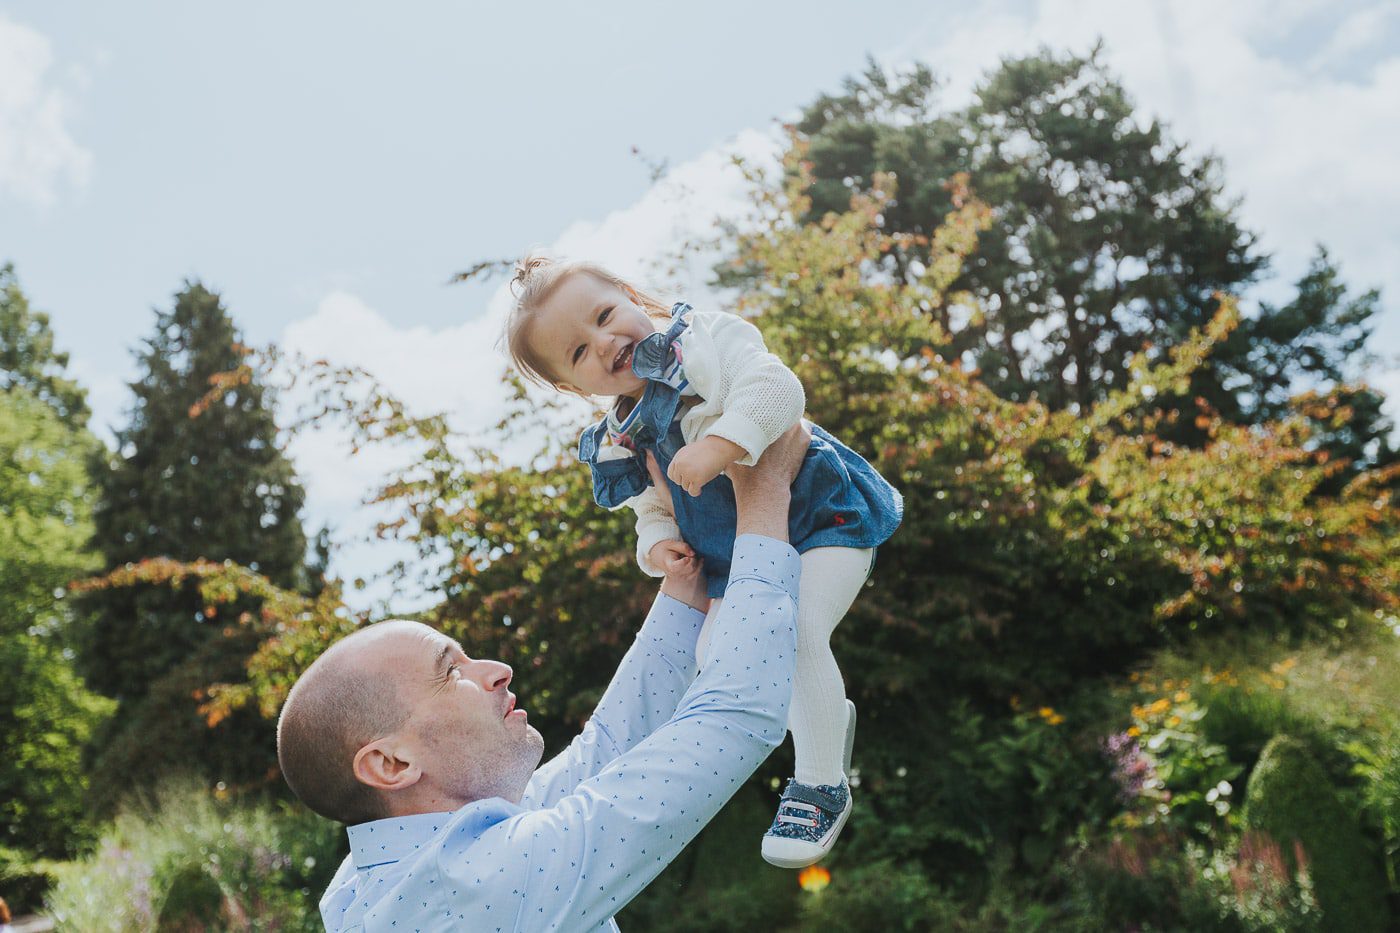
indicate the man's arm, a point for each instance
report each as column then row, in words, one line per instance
column 583, row 859
column 658, row 668
column 643, row 694
column 574, row 864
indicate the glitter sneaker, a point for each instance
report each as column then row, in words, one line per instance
column 810, row 816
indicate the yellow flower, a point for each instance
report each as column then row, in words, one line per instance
column 1159, row 706
column 1134, row 731
column 1174, row 721
column 1181, row 696
column 1055, row 719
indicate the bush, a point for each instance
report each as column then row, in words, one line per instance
column 1290, row 798
column 881, row 896
column 23, row 880
column 1156, row 878
column 192, row 862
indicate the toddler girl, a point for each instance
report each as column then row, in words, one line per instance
column 699, row 390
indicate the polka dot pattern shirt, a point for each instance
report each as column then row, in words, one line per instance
column 662, row 753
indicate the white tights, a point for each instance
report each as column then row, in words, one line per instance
column 831, row 578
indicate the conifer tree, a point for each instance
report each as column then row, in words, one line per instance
column 188, row 482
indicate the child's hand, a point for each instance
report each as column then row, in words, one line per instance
column 684, row 581
column 674, row 558
column 696, row 464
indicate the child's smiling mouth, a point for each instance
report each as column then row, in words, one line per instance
column 623, row 358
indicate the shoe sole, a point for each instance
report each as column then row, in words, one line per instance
column 802, row 861
column 850, row 736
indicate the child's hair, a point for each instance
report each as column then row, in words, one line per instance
column 536, row 277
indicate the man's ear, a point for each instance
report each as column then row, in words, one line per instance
column 387, row 764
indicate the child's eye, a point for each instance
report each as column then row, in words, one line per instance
column 603, row 316
column 578, row 353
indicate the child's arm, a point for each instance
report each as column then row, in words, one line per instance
column 757, row 396
column 656, row 526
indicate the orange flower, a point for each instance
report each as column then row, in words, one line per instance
column 813, row 878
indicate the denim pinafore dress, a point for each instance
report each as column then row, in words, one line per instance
column 838, row 499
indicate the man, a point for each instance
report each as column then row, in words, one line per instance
column 422, row 750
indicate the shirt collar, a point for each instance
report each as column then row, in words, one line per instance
column 380, row 842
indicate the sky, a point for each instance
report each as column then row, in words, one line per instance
column 328, row 166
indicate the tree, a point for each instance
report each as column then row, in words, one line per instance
column 1109, row 239
column 47, row 715
column 190, row 480
column 28, row 358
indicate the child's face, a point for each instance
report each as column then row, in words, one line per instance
column 584, row 333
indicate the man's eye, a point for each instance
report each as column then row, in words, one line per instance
column 602, row 317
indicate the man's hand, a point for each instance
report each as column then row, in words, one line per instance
column 763, row 491
column 696, row 464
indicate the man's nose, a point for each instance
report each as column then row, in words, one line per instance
column 492, row 675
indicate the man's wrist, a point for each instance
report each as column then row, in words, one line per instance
column 763, row 509
column 691, row 592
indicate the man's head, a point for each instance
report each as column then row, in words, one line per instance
column 396, row 719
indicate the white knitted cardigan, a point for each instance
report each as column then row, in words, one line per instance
column 747, row 395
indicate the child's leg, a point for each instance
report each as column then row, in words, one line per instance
column 831, row 578
column 702, row 644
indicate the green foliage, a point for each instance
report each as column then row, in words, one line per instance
column 47, row 715
column 45, row 513
column 1154, row 880
column 191, row 481
column 1290, row 798
column 187, row 861
column 885, row 895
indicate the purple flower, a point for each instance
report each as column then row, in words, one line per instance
column 1132, row 768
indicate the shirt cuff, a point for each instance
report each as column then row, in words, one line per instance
column 673, row 625
column 757, row 557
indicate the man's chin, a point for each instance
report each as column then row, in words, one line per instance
column 536, row 742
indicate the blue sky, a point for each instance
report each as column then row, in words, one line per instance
column 327, row 166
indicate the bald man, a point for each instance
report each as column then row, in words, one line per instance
column 422, row 751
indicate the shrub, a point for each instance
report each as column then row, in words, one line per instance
column 1157, row 878
column 880, row 896
column 192, row 862
column 1290, row 798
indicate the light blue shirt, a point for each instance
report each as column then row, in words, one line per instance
column 660, row 756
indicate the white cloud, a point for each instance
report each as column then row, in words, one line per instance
column 457, row 370
column 37, row 152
